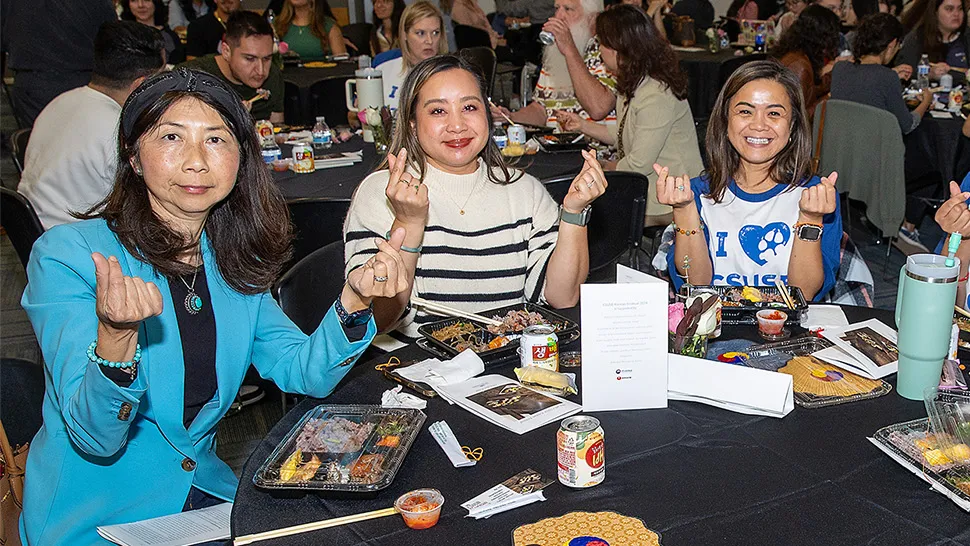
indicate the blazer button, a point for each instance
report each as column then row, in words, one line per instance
column 125, row 412
column 188, row 464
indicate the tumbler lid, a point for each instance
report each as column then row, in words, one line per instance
column 931, row 268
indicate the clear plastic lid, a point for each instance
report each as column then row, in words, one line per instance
column 931, row 266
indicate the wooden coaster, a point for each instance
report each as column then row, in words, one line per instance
column 615, row 529
column 812, row 376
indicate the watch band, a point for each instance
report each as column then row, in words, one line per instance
column 351, row 319
column 577, row 219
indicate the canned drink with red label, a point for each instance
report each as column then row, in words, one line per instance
column 581, row 452
column 540, row 347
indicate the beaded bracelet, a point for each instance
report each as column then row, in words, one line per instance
column 102, row 362
column 688, row 232
column 408, row 249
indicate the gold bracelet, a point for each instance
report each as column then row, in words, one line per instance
column 688, row 232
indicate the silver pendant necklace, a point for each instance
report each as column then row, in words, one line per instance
column 193, row 303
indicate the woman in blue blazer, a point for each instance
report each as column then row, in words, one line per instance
column 151, row 310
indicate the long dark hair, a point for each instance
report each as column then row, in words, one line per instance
column 640, row 51
column 792, row 163
column 321, row 12
column 393, row 37
column 815, row 33
column 189, row 10
column 160, row 16
column 249, row 231
column 932, row 37
column 406, row 136
column 874, row 34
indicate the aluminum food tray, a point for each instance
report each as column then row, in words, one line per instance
column 566, row 330
column 745, row 313
column 410, row 421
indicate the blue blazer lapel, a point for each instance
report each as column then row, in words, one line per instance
column 233, row 342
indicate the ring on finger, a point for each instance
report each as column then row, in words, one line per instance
column 380, row 278
column 589, row 184
column 680, row 187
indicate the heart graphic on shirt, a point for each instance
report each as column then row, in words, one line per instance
column 757, row 240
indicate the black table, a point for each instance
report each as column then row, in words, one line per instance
column 339, row 183
column 932, row 147
column 703, row 70
column 326, row 100
column 697, row 474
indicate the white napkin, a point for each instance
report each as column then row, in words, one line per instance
column 394, row 398
column 824, row 316
column 435, row 372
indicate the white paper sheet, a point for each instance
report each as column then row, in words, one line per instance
column 182, row 529
column 625, row 343
column 824, row 316
column 852, row 352
column 735, row 388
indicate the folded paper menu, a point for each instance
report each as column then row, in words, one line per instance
column 735, row 388
column 182, row 529
column 625, row 342
column 866, row 348
column 507, row 403
column 519, row 490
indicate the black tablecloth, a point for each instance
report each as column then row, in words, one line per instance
column 703, row 74
column 932, row 147
column 339, row 183
column 697, row 474
column 305, row 77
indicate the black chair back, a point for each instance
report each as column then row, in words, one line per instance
column 468, row 36
column 327, row 98
column 21, row 399
column 317, row 222
column 484, row 59
column 729, row 66
column 293, row 113
column 20, row 221
column 309, row 288
column 359, row 35
column 18, row 143
column 616, row 219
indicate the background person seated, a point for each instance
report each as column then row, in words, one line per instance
column 154, row 14
column 387, row 19
column 469, row 13
column 205, row 33
column 246, row 65
column 572, row 79
column 809, row 48
column 942, row 35
column 73, row 148
column 655, row 123
column 422, row 33
column 757, row 214
column 310, row 30
column 183, row 12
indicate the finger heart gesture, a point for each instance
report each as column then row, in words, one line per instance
column 122, row 302
column 384, row 275
column 589, row 184
column 407, row 195
column 820, row 199
column 672, row 190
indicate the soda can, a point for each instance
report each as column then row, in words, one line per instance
column 581, row 452
column 303, row 158
column 517, row 134
column 547, row 38
column 539, row 346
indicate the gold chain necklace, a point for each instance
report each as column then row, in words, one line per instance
column 461, row 208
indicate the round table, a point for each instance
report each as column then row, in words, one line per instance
column 340, row 182
column 932, row 147
column 694, row 473
column 703, row 70
column 319, row 92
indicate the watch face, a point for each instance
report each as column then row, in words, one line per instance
column 809, row 233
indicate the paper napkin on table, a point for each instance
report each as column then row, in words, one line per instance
column 394, row 398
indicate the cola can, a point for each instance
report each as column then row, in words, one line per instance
column 581, row 452
column 547, row 38
column 539, row 346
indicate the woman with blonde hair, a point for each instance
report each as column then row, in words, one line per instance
column 422, row 36
column 310, row 29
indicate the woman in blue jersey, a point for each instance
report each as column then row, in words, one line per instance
column 757, row 214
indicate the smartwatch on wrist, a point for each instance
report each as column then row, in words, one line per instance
column 577, row 219
column 808, row 232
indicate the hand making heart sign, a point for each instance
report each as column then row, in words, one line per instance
column 819, row 200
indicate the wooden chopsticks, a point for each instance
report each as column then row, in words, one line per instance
column 452, row 312
column 785, row 295
column 313, row 526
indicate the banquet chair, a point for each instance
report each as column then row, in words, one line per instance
column 293, row 113
column 317, row 222
column 18, row 144
column 468, row 36
column 21, row 398
column 484, row 59
column 359, row 35
column 616, row 219
column 327, row 100
column 309, row 288
column 20, row 221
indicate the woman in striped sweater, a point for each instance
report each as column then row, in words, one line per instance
column 479, row 234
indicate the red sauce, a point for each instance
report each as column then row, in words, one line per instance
column 774, row 316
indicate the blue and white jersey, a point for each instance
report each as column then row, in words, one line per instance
column 750, row 236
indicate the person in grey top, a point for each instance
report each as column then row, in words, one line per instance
column 868, row 80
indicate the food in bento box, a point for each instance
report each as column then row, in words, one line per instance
column 367, row 467
column 334, row 435
column 736, row 297
column 516, row 321
column 295, row 470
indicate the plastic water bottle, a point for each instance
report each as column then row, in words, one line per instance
column 499, row 136
column 923, row 72
column 322, row 137
column 759, row 40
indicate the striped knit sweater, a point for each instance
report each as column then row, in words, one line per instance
column 493, row 255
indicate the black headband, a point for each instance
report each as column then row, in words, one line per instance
column 181, row 79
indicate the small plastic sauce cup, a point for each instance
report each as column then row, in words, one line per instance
column 420, row 508
column 771, row 322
